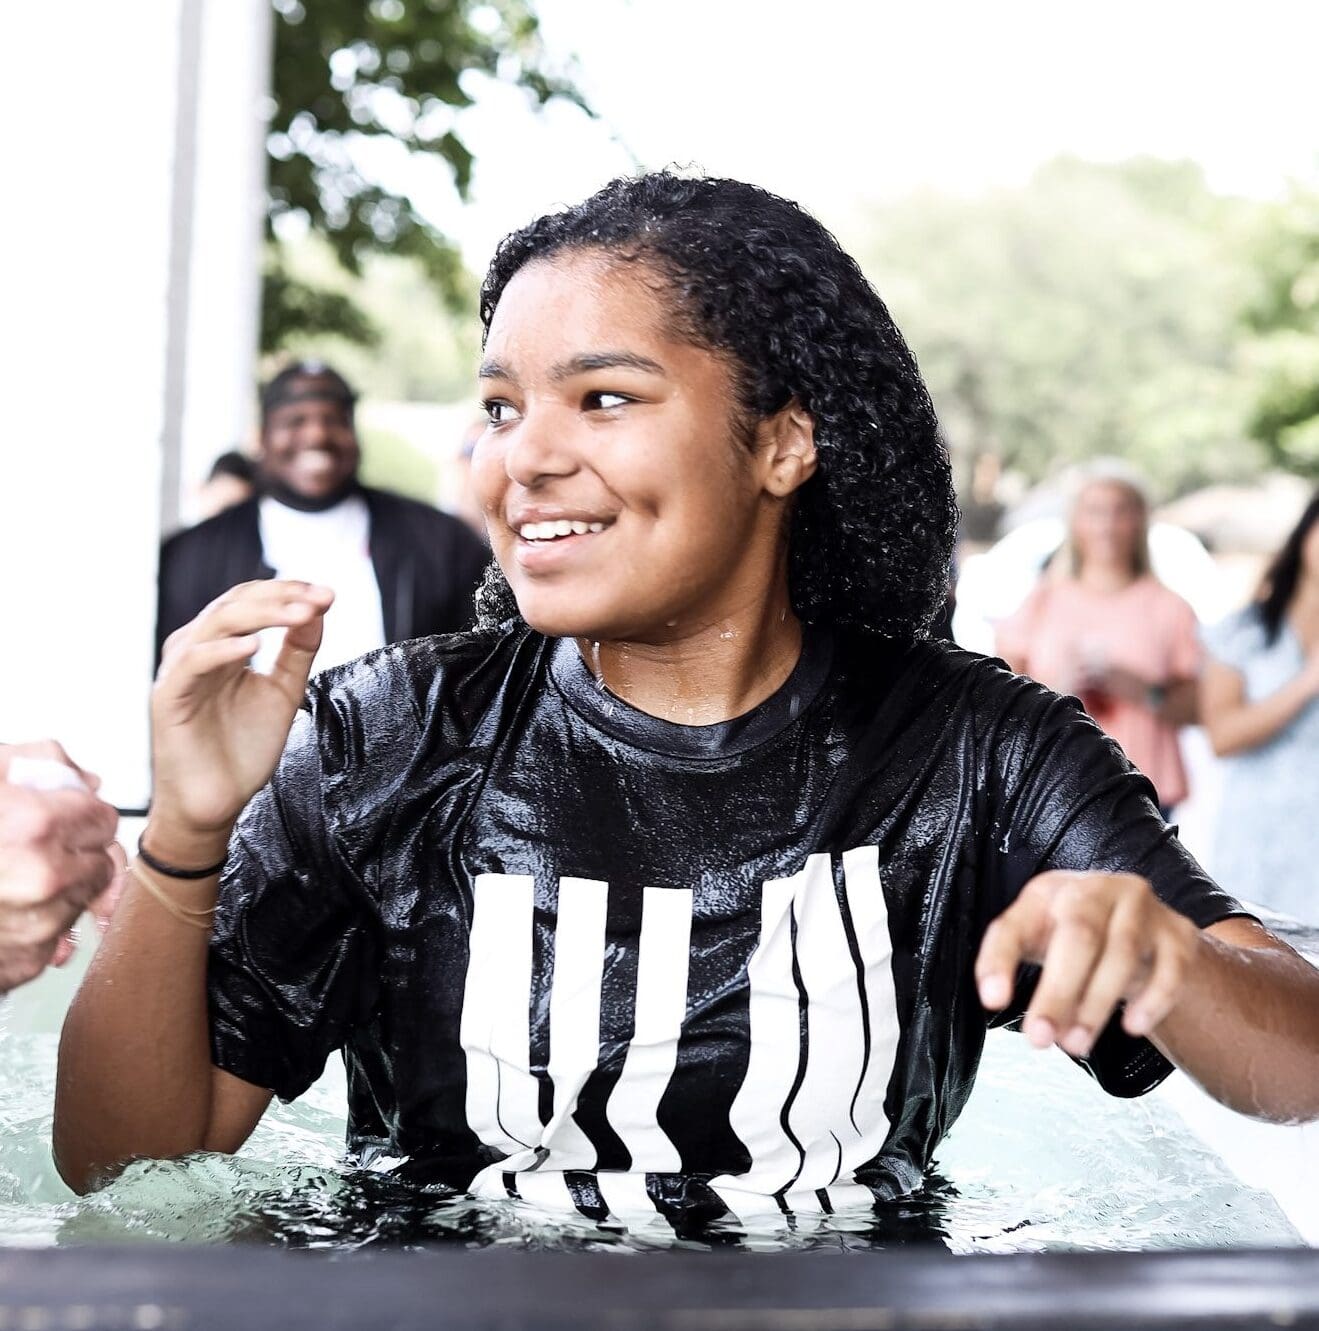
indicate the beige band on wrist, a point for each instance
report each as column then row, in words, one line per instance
column 199, row 918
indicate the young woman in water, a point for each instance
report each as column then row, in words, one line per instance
column 692, row 880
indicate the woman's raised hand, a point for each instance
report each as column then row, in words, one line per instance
column 1101, row 938
column 218, row 728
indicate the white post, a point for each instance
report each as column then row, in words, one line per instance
column 227, row 221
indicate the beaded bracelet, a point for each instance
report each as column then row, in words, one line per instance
column 169, row 870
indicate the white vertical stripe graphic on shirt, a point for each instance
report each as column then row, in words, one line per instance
column 625, row 1194
column 661, row 1003
column 579, row 954
column 837, row 1068
column 549, row 1191
column 772, row 1057
column 835, row 1137
column 834, row 1032
column 495, row 1031
column 869, row 911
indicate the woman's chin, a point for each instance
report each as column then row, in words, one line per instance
column 562, row 617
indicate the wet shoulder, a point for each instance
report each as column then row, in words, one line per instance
column 374, row 714
column 946, row 699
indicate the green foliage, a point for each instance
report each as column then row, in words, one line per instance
column 354, row 77
column 1282, row 318
column 291, row 305
column 416, row 350
column 391, row 463
column 1091, row 311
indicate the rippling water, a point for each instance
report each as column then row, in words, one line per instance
column 1041, row 1160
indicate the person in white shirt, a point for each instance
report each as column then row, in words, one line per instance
column 399, row 568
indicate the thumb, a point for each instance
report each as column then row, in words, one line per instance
column 104, row 905
column 292, row 665
column 1006, row 945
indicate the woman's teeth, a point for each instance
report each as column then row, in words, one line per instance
column 549, row 531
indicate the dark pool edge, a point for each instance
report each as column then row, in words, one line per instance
column 195, row 1288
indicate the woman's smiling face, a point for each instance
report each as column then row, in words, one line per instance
column 623, row 500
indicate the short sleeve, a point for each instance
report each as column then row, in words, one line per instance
column 1071, row 800
column 291, row 959
column 1186, row 654
column 1234, row 640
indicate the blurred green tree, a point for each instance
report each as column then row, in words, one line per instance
column 352, row 76
column 1282, row 322
column 1089, row 311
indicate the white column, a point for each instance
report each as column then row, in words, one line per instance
column 86, row 248
column 227, row 218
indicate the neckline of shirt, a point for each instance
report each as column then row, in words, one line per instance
column 593, row 701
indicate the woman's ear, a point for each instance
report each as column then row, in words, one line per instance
column 786, row 448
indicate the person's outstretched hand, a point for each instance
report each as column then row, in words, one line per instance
column 218, row 728
column 55, row 839
column 1101, row 938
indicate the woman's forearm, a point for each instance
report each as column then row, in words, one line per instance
column 1234, row 728
column 1247, row 1026
column 135, row 1071
column 1181, row 702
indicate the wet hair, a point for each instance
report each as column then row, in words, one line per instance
column 306, row 379
column 235, row 464
column 755, row 279
column 1283, row 575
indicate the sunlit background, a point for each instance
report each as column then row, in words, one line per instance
column 1099, row 231
column 1098, row 227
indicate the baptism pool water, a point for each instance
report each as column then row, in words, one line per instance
column 1040, row 1160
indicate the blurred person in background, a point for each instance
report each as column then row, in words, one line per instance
column 466, row 504
column 232, row 480
column 57, row 857
column 1260, row 702
column 1101, row 626
column 399, row 568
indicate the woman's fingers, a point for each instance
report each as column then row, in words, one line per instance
column 1002, row 950
column 1075, row 948
column 1152, row 1001
column 1124, row 959
column 292, row 666
column 199, row 659
column 1101, row 938
column 248, row 609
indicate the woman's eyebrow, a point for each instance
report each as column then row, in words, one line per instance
column 604, row 360
column 492, row 369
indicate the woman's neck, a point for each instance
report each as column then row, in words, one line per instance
column 717, row 670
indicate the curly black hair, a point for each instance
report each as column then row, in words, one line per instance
column 757, row 279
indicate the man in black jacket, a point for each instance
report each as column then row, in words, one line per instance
column 399, row 568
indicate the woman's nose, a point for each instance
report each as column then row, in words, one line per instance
column 539, row 447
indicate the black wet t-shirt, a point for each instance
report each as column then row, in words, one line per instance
column 580, row 955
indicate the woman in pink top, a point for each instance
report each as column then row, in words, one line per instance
column 1101, row 626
